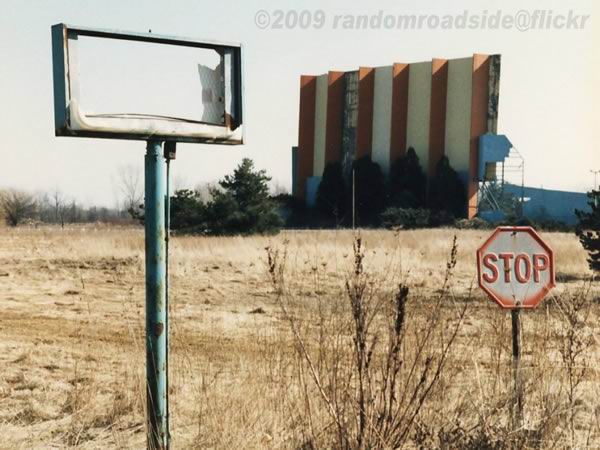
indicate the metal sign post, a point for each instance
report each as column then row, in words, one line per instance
column 156, row 296
column 218, row 119
column 517, row 410
column 515, row 268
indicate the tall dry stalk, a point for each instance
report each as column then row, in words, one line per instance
column 575, row 341
column 377, row 371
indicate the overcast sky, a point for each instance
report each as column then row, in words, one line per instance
column 549, row 92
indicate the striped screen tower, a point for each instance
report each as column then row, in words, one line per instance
column 437, row 107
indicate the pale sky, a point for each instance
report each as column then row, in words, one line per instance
column 549, row 93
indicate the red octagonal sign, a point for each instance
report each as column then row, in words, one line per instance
column 515, row 267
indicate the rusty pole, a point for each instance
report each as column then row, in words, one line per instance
column 156, row 290
column 517, row 412
column 353, row 200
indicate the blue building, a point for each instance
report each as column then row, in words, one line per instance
column 497, row 159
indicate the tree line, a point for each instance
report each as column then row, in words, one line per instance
column 405, row 199
column 241, row 203
column 21, row 207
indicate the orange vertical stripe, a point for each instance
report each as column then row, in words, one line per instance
column 306, row 131
column 399, row 111
column 437, row 112
column 364, row 132
column 335, row 115
column 479, row 105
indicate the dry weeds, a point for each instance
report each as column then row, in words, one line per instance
column 72, row 359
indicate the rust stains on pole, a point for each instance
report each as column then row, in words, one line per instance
column 156, row 292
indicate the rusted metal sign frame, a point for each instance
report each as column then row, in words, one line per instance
column 65, row 86
column 507, row 303
column 156, row 197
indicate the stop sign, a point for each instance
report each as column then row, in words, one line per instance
column 515, row 267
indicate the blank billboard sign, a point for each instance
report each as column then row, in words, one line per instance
column 136, row 86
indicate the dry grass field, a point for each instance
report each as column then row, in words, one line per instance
column 261, row 355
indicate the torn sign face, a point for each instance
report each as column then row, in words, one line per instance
column 213, row 95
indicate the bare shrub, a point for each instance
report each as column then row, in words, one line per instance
column 575, row 341
column 367, row 367
column 130, row 182
column 17, row 206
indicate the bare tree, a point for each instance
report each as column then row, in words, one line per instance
column 73, row 212
column 17, row 206
column 179, row 182
column 277, row 188
column 45, row 209
column 59, row 202
column 204, row 191
column 131, row 188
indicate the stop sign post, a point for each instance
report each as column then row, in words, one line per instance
column 515, row 268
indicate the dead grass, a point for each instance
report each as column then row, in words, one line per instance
column 72, row 348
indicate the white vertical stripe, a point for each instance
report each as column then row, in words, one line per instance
column 419, row 106
column 458, row 113
column 382, row 111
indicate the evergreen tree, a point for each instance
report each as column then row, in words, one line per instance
column 187, row 210
column 407, row 182
column 446, row 190
column 243, row 205
column 369, row 190
column 224, row 215
column 332, row 192
column 588, row 230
